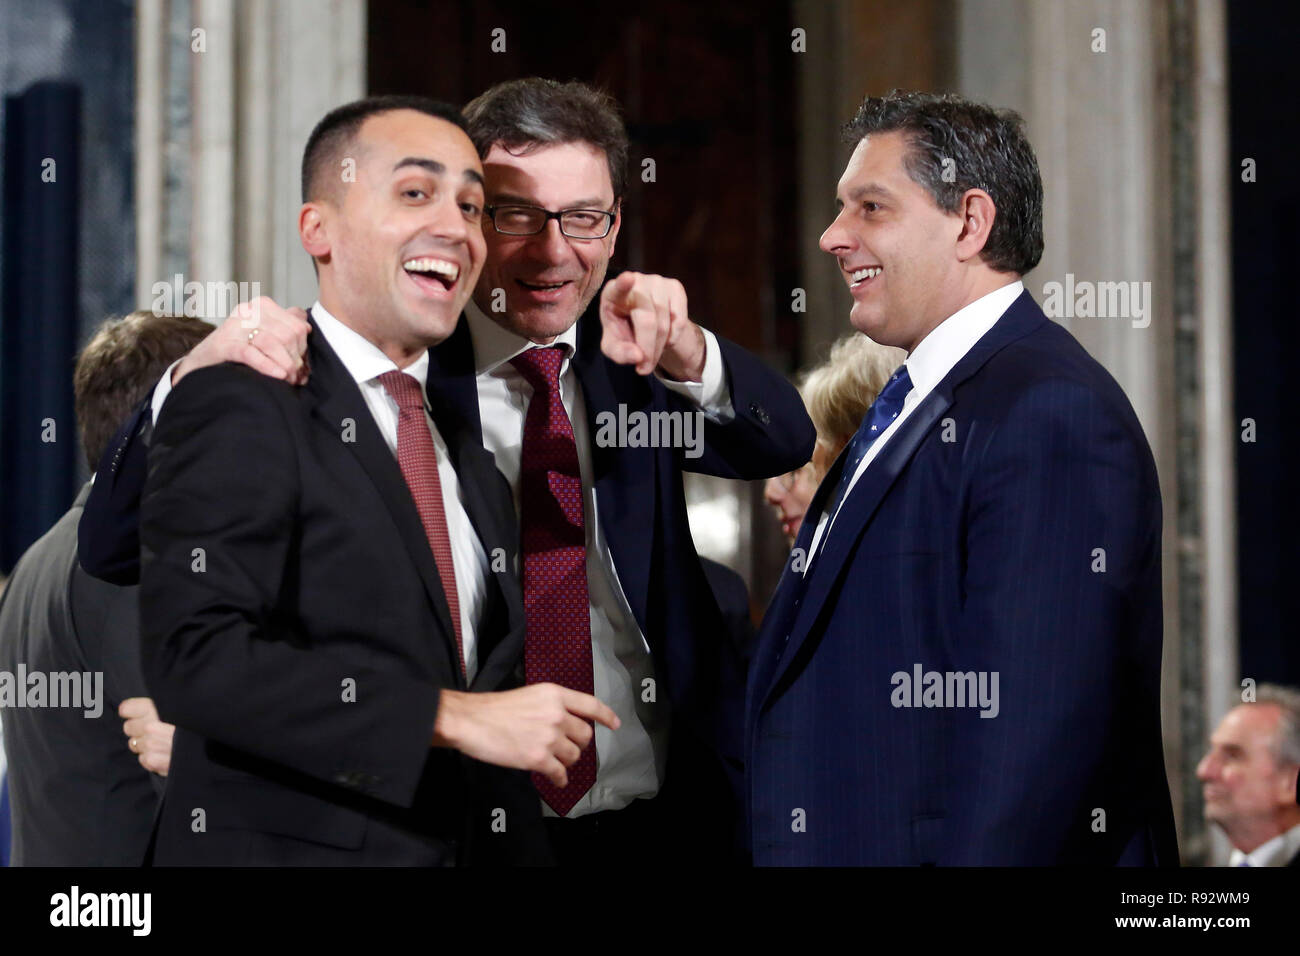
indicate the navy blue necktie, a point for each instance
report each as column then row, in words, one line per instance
column 882, row 411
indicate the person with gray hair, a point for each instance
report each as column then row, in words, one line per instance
column 837, row 393
column 1248, row 778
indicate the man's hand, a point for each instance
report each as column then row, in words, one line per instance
column 645, row 324
column 147, row 736
column 259, row 334
column 541, row 727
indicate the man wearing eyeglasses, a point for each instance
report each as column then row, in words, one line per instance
column 554, row 160
column 616, row 602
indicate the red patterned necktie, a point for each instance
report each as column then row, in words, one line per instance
column 557, row 646
column 419, row 463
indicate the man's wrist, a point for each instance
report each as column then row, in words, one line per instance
column 694, row 370
column 446, row 724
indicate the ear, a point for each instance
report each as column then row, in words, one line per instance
column 1287, row 782
column 977, row 214
column 312, row 230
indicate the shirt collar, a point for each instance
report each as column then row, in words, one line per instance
column 495, row 345
column 1275, row 852
column 363, row 359
column 952, row 338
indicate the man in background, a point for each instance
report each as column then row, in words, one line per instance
column 1249, row 778
column 82, row 795
column 837, row 393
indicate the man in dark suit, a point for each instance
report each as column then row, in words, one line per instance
column 80, row 795
column 330, row 615
column 530, row 377
column 961, row 664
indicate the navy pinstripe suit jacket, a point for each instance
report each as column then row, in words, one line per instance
column 1011, row 527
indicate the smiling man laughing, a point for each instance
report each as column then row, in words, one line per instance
column 320, row 617
column 996, row 516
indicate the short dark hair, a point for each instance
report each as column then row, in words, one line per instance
column 975, row 146
column 334, row 134
column 120, row 365
column 524, row 114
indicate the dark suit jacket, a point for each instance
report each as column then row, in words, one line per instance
column 296, row 632
column 732, row 595
column 975, row 555
column 642, row 511
column 79, row 796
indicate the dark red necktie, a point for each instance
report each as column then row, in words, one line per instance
column 557, row 646
column 419, row 463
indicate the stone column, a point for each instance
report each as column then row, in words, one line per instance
column 222, row 133
column 1125, row 105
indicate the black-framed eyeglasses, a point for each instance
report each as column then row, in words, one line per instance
column 519, row 220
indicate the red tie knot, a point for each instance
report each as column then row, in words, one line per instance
column 540, row 367
column 403, row 389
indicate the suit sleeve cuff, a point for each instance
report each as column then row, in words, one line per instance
column 713, row 393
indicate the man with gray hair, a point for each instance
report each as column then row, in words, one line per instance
column 1249, row 778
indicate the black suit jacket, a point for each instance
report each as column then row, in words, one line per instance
column 79, row 796
column 296, row 632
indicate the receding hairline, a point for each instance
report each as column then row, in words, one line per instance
column 911, row 147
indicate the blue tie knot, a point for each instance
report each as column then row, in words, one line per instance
column 886, row 408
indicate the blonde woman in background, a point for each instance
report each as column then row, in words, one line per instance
column 837, row 393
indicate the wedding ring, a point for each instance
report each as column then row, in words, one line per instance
column 252, row 335
column 131, row 745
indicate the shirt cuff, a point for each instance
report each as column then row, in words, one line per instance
column 162, row 390
column 713, row 392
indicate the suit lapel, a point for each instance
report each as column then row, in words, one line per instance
column 487, row 500
column 777, row 619
column 339, row 398
column 451, row 376
column 453, row 397
column 624, row 478
column 829, row 563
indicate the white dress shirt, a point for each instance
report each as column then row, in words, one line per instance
column 629, row 761
column 932, row 359
column 365, row 362
column 1279, row 851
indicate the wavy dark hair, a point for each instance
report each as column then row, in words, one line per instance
column 955, row 145
column 531, row 112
